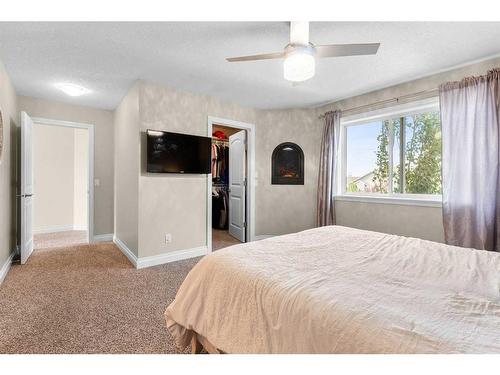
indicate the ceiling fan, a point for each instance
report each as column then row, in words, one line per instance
column 300, row 54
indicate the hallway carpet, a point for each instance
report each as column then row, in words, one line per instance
column 87, row 299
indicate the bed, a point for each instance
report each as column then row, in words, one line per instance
column 340, row 290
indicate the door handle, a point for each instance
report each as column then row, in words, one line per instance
column 24, row 195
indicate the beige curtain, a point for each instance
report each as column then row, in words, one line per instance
column 328, row 166
column 471, row 160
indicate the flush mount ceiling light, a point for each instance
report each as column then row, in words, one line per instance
column 300, row 54
column 72, row 89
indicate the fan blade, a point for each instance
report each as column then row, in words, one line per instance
column 299, row 33
column 336, row 50
column 264, row 56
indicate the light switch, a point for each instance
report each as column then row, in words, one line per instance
column 97, row 182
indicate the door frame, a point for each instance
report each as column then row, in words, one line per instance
column 90, row 197
column 250, row 167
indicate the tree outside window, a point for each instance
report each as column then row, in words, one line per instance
column 415, row 139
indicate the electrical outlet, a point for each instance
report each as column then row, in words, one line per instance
column 168, row 238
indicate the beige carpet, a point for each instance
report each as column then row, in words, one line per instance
column 87, row 299
column 59, row 239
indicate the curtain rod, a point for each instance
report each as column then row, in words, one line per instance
column 424, row 94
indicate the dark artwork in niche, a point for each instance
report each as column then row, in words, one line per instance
column 287, row 165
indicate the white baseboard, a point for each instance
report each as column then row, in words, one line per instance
column 263, row 236
column 174, row 256
column 6, row 267
column 156, row 260
column 103, row 237
column 126, row 251
column 61, row 228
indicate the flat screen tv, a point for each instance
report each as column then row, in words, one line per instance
column 177, row 153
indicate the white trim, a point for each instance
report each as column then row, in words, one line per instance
column 156, row 260
column 391, row 199
column 103, row 237
column 125, row 250
column 6, row 267
column 250, row 204
column 342, row 179
column 90, row 201
column 173, row 256
column 397, row 110
column 61, row 228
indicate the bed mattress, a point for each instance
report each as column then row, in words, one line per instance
column 341, row 290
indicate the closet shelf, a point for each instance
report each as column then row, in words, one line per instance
column 216, row 140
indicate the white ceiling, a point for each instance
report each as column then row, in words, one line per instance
column 108, row 57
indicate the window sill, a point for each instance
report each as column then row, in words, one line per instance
column 407, row 201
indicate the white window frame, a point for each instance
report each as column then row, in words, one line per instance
column 433, row 200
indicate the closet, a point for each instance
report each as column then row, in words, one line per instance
column 220, row 184
column 228, row 191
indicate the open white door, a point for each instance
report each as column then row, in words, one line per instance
column 237, row 185
column 26, row 187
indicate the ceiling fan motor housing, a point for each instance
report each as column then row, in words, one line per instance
column 300, row 48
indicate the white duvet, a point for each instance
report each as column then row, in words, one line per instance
column 342, row 290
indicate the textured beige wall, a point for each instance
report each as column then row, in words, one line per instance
column 168, row 202
column 8, row 176
column 411, row 221
column 81, row 178
column 410, row 87
column 422, row 222
column 176, row 204
column 284, row 209
column 103, row 149
column 127, row 142
column 54, row 172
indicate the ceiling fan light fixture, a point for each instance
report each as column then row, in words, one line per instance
column 300, row 53
column 299, row 65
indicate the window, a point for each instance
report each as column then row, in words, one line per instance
column 397, row 155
